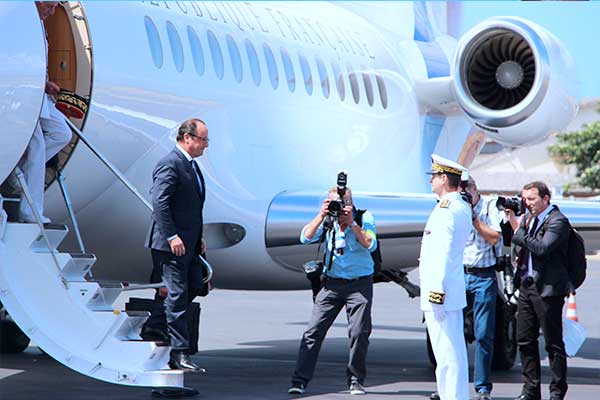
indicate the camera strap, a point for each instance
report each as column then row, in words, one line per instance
column 326, row 227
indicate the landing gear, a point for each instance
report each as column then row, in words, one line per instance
column 12, row 339
column 505, row 338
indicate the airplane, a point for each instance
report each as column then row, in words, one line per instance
column 291, row 93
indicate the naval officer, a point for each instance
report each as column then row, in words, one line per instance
column 442, row 278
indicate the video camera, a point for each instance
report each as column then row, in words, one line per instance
column 512, row 203
column 336, row 207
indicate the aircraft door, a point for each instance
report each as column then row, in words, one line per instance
column 22, row 79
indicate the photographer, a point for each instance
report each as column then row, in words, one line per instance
column 347, row 281
column 479, row 260
column 543, row 279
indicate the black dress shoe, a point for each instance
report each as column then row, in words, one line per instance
column 182, row 361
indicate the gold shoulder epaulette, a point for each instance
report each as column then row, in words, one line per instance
column 437, row 297
column 444, row 203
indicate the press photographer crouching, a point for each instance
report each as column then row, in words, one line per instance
column 347, row 281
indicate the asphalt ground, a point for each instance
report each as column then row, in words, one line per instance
column 249, row 341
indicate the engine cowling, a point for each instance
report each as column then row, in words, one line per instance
column 514, row 80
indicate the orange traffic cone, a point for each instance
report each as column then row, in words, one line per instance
column 572, row 308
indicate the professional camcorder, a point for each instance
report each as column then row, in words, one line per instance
column 336, row 206
column 512, row 203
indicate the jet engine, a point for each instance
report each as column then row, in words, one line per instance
column 514, row 80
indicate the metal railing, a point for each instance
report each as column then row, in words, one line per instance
column 127, row 184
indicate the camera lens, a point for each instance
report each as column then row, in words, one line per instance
column 335, row 208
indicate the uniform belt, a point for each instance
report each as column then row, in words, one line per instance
column 347, row 280
column 478, row 270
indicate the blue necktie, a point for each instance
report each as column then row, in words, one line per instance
column 197, row 171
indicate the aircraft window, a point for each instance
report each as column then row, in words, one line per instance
column 306, row 74
column 354, row 85
column 339, row 81
column 288, row 67
column 368, row 86
column 382, row 91
column 236, row 60
column 271, row 66
column 253, row 61
column 217, row 55
column 197, row 54
column 154, row 42
column 324, row 77
column 176, row 48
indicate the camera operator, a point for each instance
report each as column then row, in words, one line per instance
column 347, row 281
column 480, row 282
column 543, row 279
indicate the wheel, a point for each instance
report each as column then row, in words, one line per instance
column 12, row 339
column 505, row 339
column 430, row 354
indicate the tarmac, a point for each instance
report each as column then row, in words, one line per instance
column 249, row 342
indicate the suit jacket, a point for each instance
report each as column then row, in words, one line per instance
column 177, row 202
column 548, row 248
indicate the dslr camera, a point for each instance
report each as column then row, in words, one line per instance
column 336, row 207
column 516, row 204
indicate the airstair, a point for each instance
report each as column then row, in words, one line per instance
column 53, row 299
column 73, row 319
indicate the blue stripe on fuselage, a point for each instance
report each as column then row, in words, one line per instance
column 437, row 65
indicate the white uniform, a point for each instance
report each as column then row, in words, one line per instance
column 51, row 134
column 441, row 271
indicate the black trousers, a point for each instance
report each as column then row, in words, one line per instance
column 534, row 312
column 182, row 278
column 357, row 297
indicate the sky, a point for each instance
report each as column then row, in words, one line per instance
column 575, row 23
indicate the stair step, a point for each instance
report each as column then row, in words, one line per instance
column 56, row 233
column 132, row 325
column 105, row 295
column 78, row 266
column 10, row 204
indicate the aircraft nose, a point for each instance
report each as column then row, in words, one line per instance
column 22, row 79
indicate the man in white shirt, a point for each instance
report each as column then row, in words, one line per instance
column 442, row 278
column 51, row 134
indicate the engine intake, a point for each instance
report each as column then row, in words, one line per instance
column 500, row 69
column 514, row 80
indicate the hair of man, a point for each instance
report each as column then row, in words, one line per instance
column 453, row 180
column 541, row 187
column 347, row 195
column 189, row 126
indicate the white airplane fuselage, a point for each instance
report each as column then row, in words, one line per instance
column 291, row 93
column 264, row 140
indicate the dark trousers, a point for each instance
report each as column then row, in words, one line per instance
column 545, row 312
column 357, row 296
column 181, row 276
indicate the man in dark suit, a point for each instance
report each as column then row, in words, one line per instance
column 175, row 235
column 544, row 282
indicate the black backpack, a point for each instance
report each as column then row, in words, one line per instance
column 576, row 262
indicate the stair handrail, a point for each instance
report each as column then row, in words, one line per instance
column 108, row 164
column 38, row 219
column 63, row 188
column 127, row 184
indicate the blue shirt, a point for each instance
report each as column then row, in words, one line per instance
column 355, row 261
column 479, row 252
